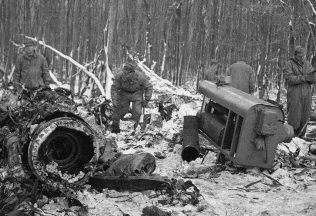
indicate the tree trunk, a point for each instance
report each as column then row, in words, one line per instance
column 139, row 27
column 184, row 42
column 75, row 43
column 265, row 31
column 62, row 38
column 112, row 29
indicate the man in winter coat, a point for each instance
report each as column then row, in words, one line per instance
column 242, row 77
column 129, row 86
column 31, row 68
column 299, row 76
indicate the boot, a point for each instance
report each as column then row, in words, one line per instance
column 135, row 125
column 116, row 129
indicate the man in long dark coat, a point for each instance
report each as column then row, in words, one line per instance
column 299, row 77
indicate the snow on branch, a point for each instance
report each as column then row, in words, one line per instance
column 312, row 6
column 109, row 74
column 96, row 80
column 160, row 84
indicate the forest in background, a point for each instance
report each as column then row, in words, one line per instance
column 176, row 38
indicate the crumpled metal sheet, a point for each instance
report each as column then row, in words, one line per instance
column 12, row 144
column 133, row 183
column 43, row 132
column 166, row 111
column 103, row 113
column 47, row 109
column 34, row 106
column 140, row 164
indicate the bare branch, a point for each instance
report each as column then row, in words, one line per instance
column 96, row 80
column 160, row 84
column 310, row 28
column 312, row 6
column 109, row 74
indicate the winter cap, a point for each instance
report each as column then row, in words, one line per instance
column 129, row 67
column 29, row 43
column 299, row 50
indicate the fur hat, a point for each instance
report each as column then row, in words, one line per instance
column 129, row 67
column 299, row 50
column 29, row 43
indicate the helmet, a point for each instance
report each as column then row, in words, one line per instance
column 299, row 50
column 129, row 67
column 29, row 43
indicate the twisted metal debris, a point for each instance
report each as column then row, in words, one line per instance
column 43, row 128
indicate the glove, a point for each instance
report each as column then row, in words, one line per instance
column 310, row 78
column 145, row 103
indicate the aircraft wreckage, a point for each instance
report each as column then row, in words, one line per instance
column 44, row 136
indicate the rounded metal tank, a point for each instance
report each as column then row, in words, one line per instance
column 190, row 145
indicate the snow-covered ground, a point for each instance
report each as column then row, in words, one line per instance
column 228, row 192
column 225, row 190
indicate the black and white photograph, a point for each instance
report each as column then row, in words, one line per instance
column 157, row 107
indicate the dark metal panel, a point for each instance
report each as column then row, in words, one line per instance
column 213, row 126
column 225, row 152
column 229, row 97
column 236, row 135
column 228, row 135
column 246, row 152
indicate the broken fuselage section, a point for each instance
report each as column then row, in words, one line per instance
column 44, row 135
column 244, row 128
column 44, row 131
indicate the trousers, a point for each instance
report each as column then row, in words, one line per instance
column 122, row 107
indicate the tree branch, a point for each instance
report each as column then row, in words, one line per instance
column 109, row 74
column 160, row 84
column 309, row 27
column 312, row 6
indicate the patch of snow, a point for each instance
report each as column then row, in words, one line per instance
column 297, row 144
column 189, row 109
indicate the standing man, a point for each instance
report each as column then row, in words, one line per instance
column 129, row 86
column 213, row 72
column 299, row 76
column 242, row 77
column 31, row 68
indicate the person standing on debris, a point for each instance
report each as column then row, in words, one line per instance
column 31, row 68
column 242, row 76
column 299, row 77
column 129, row 86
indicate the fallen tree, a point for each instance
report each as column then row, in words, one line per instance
column 96, row 80
column 163, row 85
